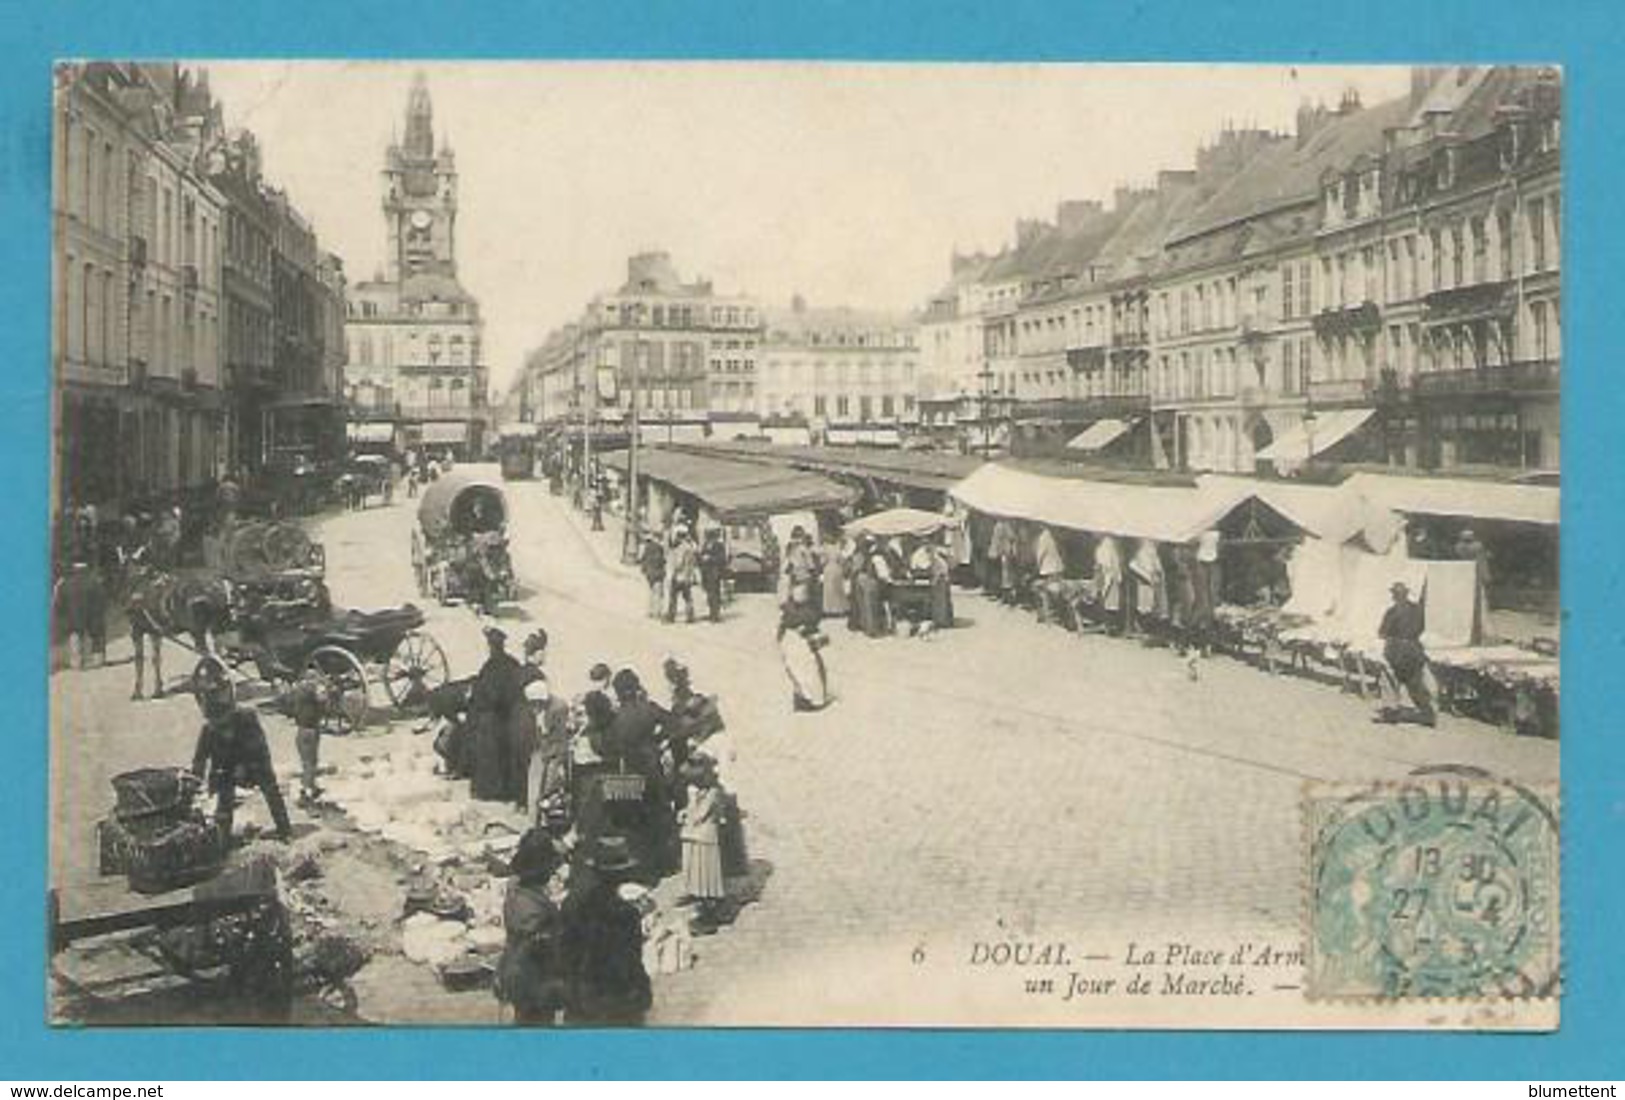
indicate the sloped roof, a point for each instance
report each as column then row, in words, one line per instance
column 737, row 489
column 1173, row 514
column 1136, row 246
column 1287, row 173
column 1481, row 94
column 1444, row 496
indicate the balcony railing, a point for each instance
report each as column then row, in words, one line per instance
column 1135, row 339
column 1526, row 377
column 1468, row 303
column 1361, row 319
column 1333, row 390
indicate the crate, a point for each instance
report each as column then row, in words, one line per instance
column 178, row 856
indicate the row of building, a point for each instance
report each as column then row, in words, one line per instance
column 692, row 358
column 198, row 325
column 1380, row 285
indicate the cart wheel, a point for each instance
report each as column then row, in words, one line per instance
column 415, row 668
column 347, row 683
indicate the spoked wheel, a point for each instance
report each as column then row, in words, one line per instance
column 346, row 682
column 416, row 667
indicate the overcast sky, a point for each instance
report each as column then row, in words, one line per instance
column 850, row 184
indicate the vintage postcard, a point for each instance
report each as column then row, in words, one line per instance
column 853, row 545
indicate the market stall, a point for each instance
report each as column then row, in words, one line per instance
column 1113, row 554
column 741, row 497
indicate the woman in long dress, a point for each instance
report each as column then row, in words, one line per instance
column 799, row 643
column 868, row 593
column 834, row 580
column 942, row 594
column 702, row 849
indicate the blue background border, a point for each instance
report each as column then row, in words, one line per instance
column 1585, row 37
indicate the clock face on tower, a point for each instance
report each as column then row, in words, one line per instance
column 421, row 219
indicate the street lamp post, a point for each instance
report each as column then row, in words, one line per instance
column 634, row 535
column 986, row 378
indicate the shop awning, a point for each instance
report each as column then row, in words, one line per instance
column 1161, row 513
column 372, row 433
column 1099, row 435
column 1327, row 430
column 1460, row 497
column 734, row 489
column 445, row 433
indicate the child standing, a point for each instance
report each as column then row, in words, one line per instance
column 304, row 703
column 702, row 849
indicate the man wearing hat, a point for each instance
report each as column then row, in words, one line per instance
column 1401, row 634
column 493, row 705
column 713, row 559
column 652, row 561
column 232, row 751
column 683, row 568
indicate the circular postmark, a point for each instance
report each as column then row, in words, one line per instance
column 1443, row 884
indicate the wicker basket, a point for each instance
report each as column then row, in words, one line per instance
column 175, row 857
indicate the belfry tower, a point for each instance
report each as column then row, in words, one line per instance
column 420, row 195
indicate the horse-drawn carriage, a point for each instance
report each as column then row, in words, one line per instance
column 460, row 546
column 263, row 603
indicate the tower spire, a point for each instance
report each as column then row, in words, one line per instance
column 419, row 119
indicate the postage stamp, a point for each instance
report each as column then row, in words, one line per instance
column 1442, row 885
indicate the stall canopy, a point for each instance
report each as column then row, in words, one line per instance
column 899, row 521
column 1460, row 497
column 1099, row 435
column 1161, row 513
column 1329, row 512
column 444, row 433
column 737, row 490
column 1329, row 429
column 520, row 430
column 371, row 433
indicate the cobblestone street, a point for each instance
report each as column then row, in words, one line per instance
column 1003, row 781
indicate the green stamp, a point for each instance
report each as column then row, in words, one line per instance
column 1441, row 885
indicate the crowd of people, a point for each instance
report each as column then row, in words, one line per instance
column 620, row 792
column 674, row 564
column 609, row 763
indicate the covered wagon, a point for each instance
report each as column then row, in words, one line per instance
column 460, row 545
